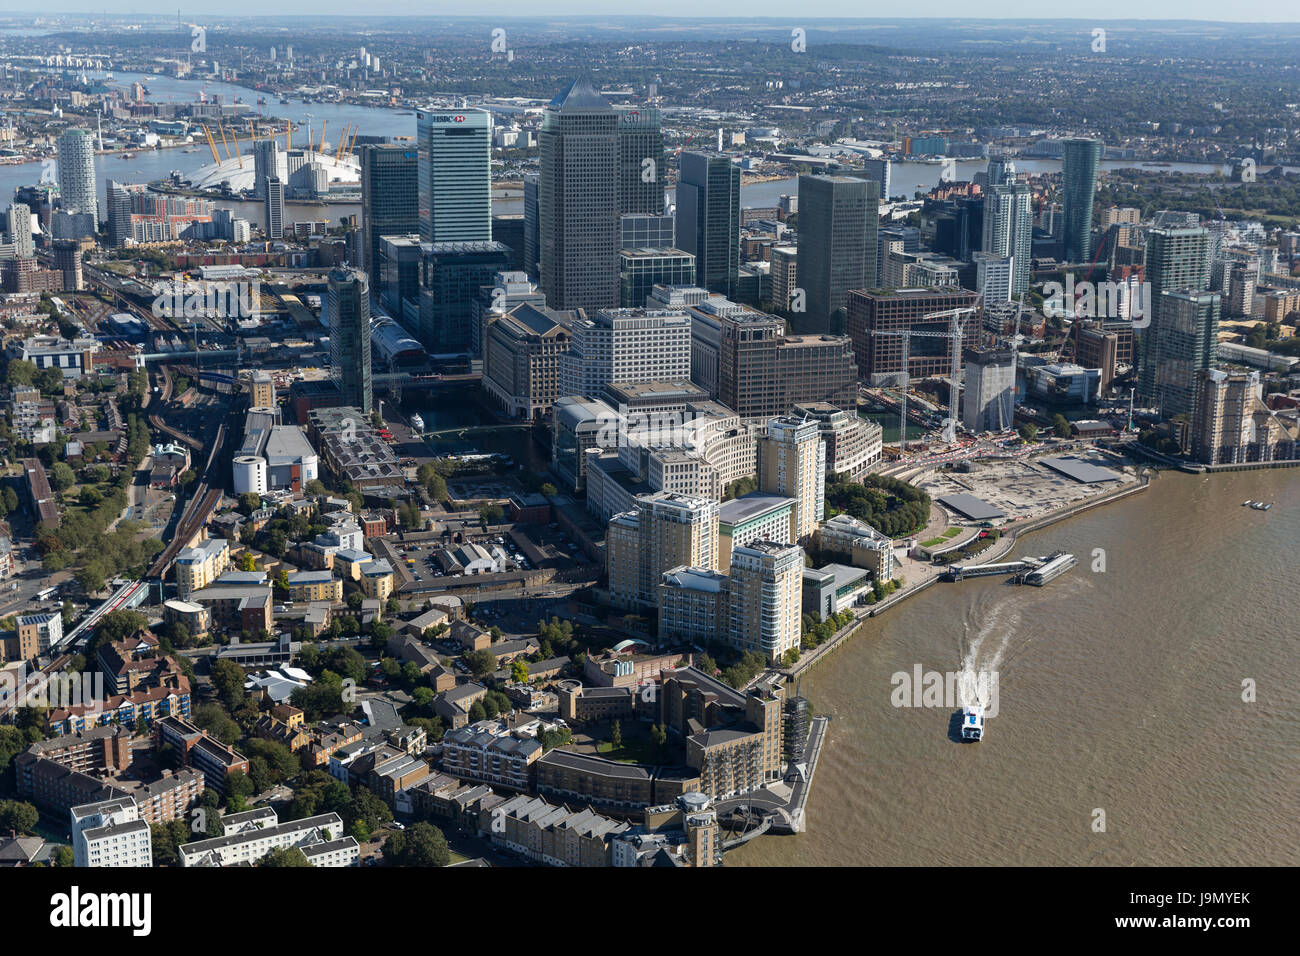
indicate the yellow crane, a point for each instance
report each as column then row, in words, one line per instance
column 352, row 146
column 343, row 142
column 212, row 145
column 238, row 155
column 322, row 134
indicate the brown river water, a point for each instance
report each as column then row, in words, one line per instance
column 1119, row 691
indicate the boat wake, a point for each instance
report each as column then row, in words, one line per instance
column 984, row 654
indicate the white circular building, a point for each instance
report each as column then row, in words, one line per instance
column 240, row 177
column 249, row 475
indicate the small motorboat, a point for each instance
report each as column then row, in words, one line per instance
column 1248, row 504
column 972, row 722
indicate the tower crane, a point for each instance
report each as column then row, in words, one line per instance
column 957, row 320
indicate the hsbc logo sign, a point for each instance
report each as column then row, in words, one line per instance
column 448, row 119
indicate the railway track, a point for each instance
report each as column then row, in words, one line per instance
column 201, row 504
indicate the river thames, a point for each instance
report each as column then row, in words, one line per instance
column 1119, row 691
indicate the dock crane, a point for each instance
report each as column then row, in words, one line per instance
column 352, row 146
column 343, row 144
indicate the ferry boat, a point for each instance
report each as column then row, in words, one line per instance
column 1055, row 565
column 417, row 422
column 972, row 722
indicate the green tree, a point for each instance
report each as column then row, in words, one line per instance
column 61, row 477
column 20, row 372
column 1061, row 426
column 63, row 856
column 616, row 735
column 481, row 662
column 284, row 856
column 19, row 816
column 421, row 845
column 519, row 672
column 1029, row 431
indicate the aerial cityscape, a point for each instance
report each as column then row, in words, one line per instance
column 647, row 441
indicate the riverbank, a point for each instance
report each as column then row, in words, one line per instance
column 1096, row 639
column 1006, row 544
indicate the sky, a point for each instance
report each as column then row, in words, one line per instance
column 1099, row 10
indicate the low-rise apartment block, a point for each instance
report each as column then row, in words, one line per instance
column 320, row 838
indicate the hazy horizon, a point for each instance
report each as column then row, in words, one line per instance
column 1157, row 11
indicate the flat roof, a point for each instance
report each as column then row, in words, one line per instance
column 1080, row 470
column 739, row 510
column 974, row 508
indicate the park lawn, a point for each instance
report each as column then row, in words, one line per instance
column 932, row 542
column 632, row 751
column 952, row 532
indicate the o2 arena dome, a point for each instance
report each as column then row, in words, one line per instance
column 294, row 165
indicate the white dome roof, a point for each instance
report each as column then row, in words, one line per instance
column 211, row 176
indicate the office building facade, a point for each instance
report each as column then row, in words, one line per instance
column 390, row 204
column 839, row 219
column 454, row 197
column 348, row 302
column 578, row 200
column 708, row 218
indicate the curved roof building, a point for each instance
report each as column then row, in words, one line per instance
column 239, row 175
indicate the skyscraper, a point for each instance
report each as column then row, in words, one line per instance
column 118, row 217
column 349, row 324
column 389, row 201
column 274, row 203
column 1009, row 226
column 877, row 170
column 839, row 217
column 988, row 400
column 1175, row 262
column 1082, row 157
column 641, row 163
column 708, row 219
column 532, row 224
column 792, row 463
column 455, row 175
column 451, row 275
column 578, row 200
column 268, row 161
column 1181, row 342
column 77, row 173
column 20, row 230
